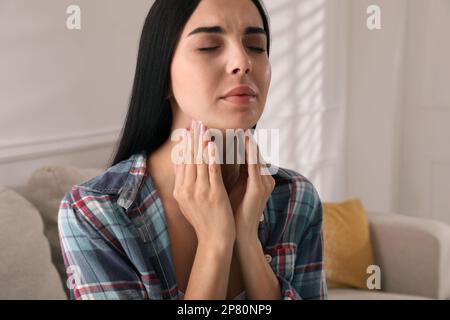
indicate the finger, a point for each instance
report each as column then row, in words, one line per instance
column 180, row 166
column 195, row 132
column 198, row 150
column 215, row 173
column 190, row 170
column 263, row 165
column 252, row 165
column 269, row 181
column 264, row 170
column 202, row 166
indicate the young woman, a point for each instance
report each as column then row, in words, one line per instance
column 150, row 227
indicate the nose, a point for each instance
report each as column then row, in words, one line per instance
column 240, row 61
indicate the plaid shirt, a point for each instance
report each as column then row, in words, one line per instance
column 115, row 242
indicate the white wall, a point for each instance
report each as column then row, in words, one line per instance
column 307, row 99
column 375, row 104
column 425, row 170
column 64, row 90
column 398, row 154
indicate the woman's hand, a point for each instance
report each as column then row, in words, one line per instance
column 200, row 192
column 251, row 192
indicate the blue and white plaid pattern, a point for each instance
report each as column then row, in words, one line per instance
column 115, row 242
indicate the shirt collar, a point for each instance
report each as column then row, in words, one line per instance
column 123, row 179
column 136, row 173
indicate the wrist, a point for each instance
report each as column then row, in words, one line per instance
column 247, row 234
column 216, row 244
column 247, row 244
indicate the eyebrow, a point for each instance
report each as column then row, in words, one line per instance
column 218, row 29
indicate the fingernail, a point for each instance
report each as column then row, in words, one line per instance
column 210, row 147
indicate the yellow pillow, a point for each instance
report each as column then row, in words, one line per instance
column 348, row 249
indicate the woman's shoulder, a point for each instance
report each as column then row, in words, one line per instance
column 100, row 201
column 293, row 207
column 115, row 185
column 294, row 185
column 112, row 180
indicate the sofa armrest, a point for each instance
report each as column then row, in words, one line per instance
column 413, row 254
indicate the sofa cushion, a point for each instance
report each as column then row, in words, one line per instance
column 348, row 249
column 26, row 269
column 46, row 189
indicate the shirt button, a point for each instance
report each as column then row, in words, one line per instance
column 268, row 258
column 261, row 219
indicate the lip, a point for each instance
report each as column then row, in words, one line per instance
column 240, row 91
column 240, row 95
column 240, row 99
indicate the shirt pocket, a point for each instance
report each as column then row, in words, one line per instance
column 282, row 260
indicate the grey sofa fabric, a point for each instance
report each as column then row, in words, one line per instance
column 26, row 269
column 46, row 188
column 413, row 254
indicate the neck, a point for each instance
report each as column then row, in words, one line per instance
column 230, row 174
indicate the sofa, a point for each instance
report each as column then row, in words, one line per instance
column 413, row 253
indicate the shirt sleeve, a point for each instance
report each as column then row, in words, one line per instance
column 96, row 268
column 308, row 281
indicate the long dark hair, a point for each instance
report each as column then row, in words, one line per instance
column 149, row 118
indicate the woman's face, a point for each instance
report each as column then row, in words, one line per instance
column 199, row 79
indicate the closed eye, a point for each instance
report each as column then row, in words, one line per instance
column 259, row 50
column 208, row 49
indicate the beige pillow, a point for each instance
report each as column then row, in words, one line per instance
column 45, row 190
column 26, row 269
column 348, row 248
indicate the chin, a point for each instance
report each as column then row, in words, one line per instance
column 234, row 121
column 234, row 125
